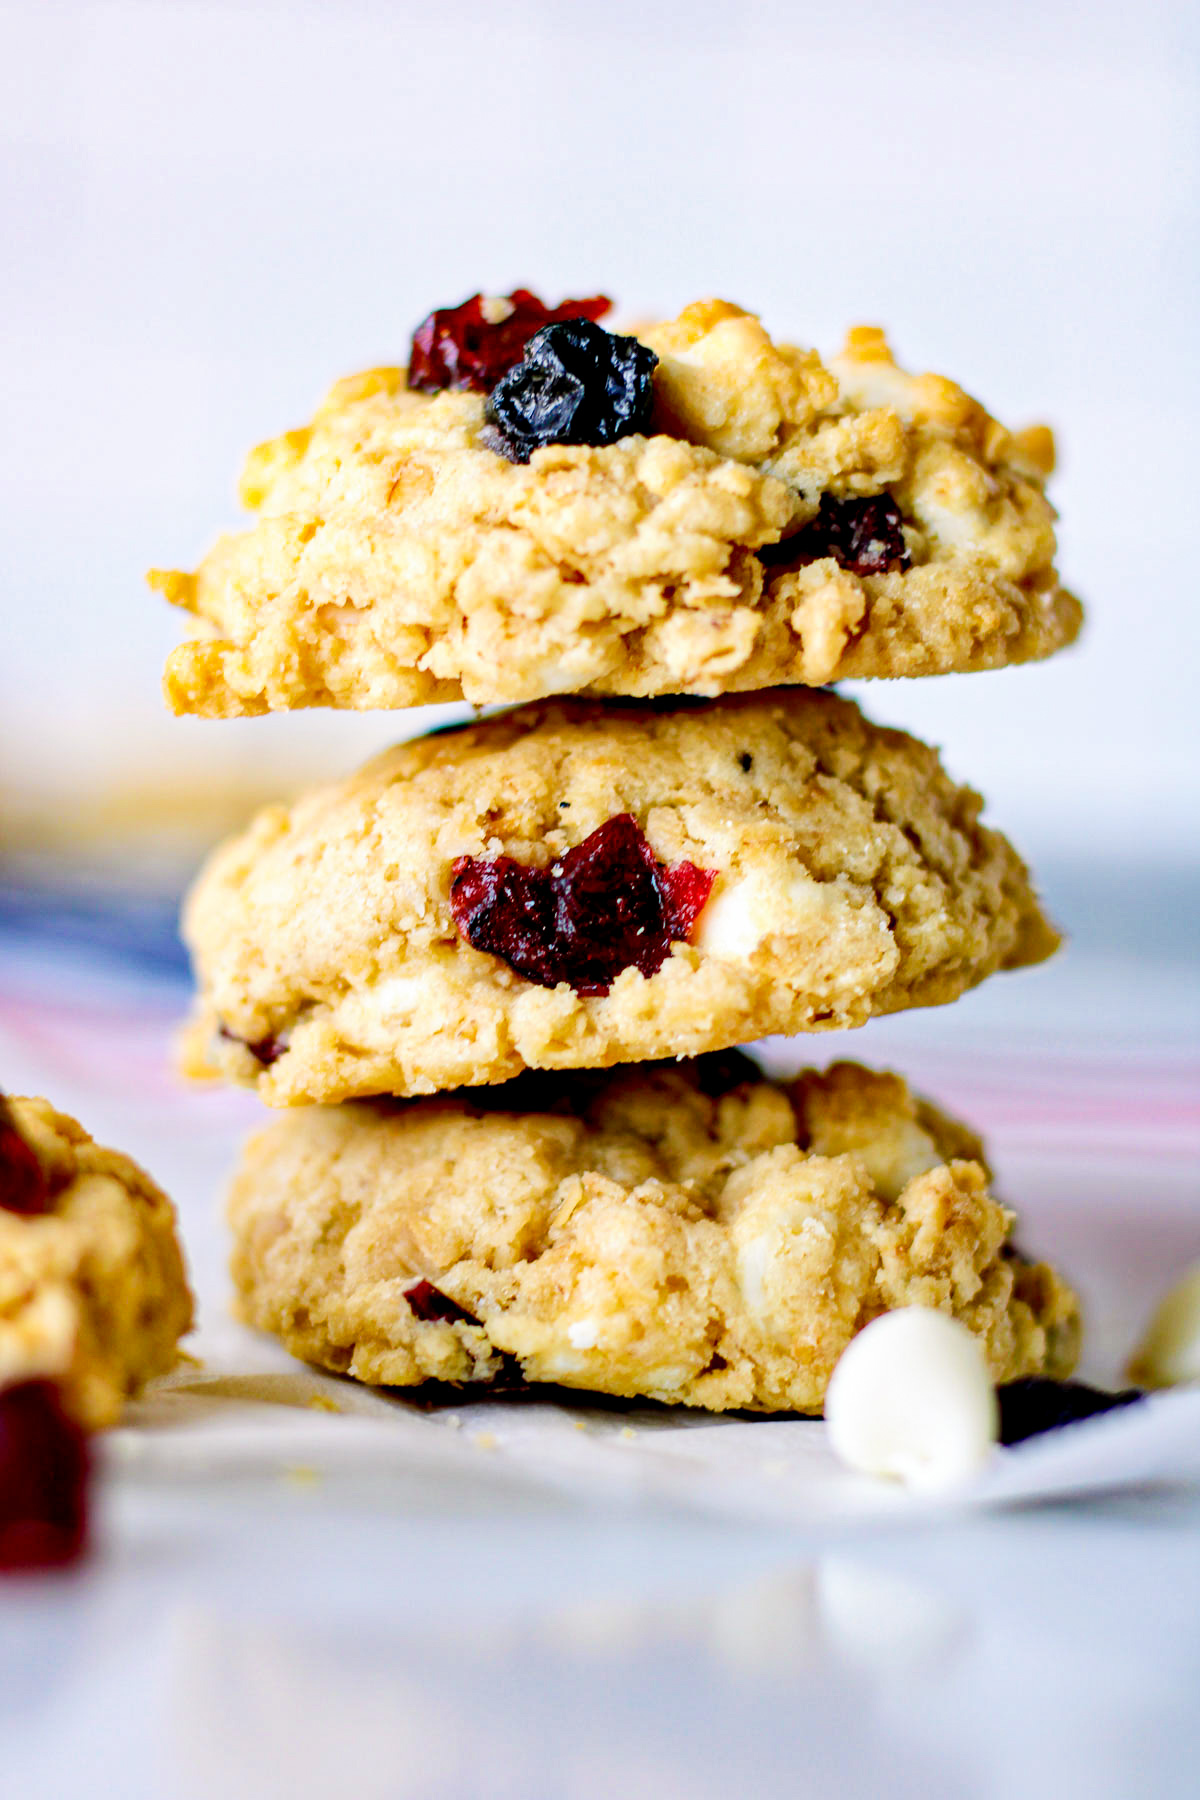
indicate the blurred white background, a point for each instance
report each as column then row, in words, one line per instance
column 210, row 211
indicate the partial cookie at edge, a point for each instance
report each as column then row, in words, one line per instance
column 93, row 1293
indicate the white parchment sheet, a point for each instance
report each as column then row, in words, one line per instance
column 250, row 1413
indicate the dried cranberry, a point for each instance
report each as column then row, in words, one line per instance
column 461, row 347
column 23, row 1185
column 604, row 906
column 264, row 1050
column 44, row 1467
column 1038, row 1404
column 577, row 384
column 864, row 536
column 427, row 1302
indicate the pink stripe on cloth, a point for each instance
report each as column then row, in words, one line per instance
column 117, row 1038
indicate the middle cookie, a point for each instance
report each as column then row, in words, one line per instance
column 582, row 884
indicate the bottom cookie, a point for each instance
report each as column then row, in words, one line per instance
column 691, row 1232
column 93, row 1294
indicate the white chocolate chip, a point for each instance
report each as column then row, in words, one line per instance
column 732, row 924
column 40, row 1339
column 1169, row 1353
column 745, row 910
column 399, row 997
column 754, row 1257
column 899, row 1158
column 875, row 383
column 911, row 1399
column 584, row 1334
column 495, row 308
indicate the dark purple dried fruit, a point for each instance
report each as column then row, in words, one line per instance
column 264, row 1050
column 864, row 536
column 426, row 1303
column 23, row 1185
column 462, row 347
column 577, row 384
column 1038, row 1404
column 44, row 1469
column 604, row 906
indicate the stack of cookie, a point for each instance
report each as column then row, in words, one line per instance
column 497, row 977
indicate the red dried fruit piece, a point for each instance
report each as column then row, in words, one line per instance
column 604, row 906
column 864, row 536
column 23, row 1185
column 44, row 1470
column 461, row 347
column 426, row 1302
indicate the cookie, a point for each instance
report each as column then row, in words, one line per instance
column 692, row 1233
column 93, row 1292
column 725, row 870
column 782, row 520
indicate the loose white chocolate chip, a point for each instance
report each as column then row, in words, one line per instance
column 1169, row 1353
column 911, row 1399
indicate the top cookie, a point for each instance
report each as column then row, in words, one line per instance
column 764, row 518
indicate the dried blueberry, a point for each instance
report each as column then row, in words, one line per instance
column 864, row 536
column 426, row 1303
column 604, row 906
column 577, row 384
column 1038, row 1404
column 23, row 1185
column 44, row 1468
column 473, row 345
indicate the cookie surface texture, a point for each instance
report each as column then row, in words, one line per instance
column 396, row 560
column 93, row 1292
column 692, row 1233
column 851, row 877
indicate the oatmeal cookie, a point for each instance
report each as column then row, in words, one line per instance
column 588, row 882
column 397, row 559
column 690, row 1232
column 92, row 1286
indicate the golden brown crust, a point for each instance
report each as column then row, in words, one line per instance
column 397, row 561
column 853, row 878
column 93, row 1293
column 641, row 1236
